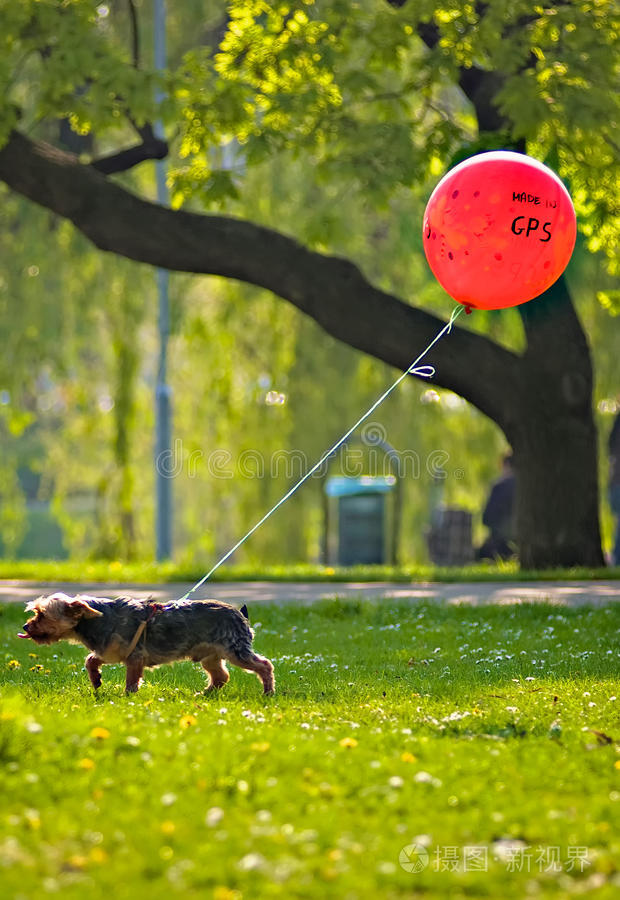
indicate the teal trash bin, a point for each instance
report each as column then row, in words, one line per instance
column 360, row 535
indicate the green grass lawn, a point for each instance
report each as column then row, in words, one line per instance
column 115, row 571
column 487, row 738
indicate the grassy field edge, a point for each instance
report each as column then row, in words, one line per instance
column 116, row 571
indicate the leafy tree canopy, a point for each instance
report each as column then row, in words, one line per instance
column 366, row 91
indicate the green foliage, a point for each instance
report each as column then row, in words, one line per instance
column 393, row 724
column 61, row 58
column 326, row 120
column 12, row 505
column 354, row 88
column 329, row 80
column 69, row 374
column 350, row 88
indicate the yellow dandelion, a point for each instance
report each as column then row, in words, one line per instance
column 77, row 861
column 37, row 668
column 187, row 721
column 329, row 873
column 167, row 827
column 100, row 734
column 86, row 764
column 14, row 664
column 98, row 855
column 221, row 892
column 407, row 757
column 260, row 746
column 33, row 819
column 617, row 764
column 348, row 742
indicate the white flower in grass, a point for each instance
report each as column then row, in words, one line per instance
column 386, row 868
column 425, row 840
column 506, row 849
column 456, row 716
column 214, row 816
column 426, row 778
column 251, row 862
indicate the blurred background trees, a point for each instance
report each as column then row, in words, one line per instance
column 324, row 121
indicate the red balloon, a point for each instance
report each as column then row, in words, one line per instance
column 499, row 229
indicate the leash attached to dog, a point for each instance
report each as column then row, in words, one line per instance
column 153, row 608
column 413, row 369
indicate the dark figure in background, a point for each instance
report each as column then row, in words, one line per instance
column 498, row 516
column 614, row 486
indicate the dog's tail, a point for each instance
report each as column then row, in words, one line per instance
column 244, row 612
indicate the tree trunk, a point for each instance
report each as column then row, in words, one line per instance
column 557, row 493
column 554, row 438
column 542, row 400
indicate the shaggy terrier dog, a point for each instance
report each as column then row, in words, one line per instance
column 140, row 634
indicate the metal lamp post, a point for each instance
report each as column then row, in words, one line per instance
column 163, row 391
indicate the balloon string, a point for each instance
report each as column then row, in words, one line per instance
column 413, row 369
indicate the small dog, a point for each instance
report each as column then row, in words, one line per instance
column 141, row 634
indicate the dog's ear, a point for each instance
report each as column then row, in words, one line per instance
column 81, row 609
column 33, row 605
column 244, row 612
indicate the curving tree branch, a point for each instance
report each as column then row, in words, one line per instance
column 151, row 147
column 331, row 290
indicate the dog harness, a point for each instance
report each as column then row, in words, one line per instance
column 153, row 609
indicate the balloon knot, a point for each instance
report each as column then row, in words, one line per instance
column 468, row 310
